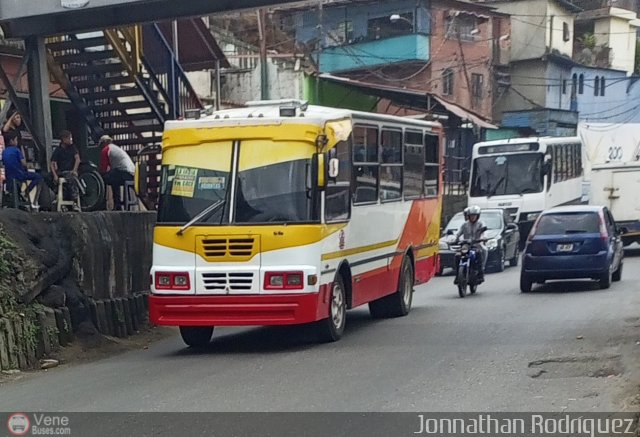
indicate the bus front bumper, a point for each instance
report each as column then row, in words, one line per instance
column 239, row 310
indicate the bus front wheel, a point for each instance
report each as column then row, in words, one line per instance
column 332, row 328
column 196, row 336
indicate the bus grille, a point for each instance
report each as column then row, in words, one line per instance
column 232, row 248
column 221, row 281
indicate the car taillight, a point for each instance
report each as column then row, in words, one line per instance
column 172, row 281
column 284, row 281
column 603, row 228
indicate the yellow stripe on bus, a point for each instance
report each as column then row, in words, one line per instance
column 357, row 250
column 272, row 238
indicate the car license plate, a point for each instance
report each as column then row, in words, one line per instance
column 565, row 247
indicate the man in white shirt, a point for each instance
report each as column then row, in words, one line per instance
column 116, row 167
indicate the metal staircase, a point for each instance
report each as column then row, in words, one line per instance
column 122, row 92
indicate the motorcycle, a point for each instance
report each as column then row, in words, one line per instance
column 467, row 272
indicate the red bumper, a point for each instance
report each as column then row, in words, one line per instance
column 238, row 310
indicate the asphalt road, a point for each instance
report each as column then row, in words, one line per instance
column 566, row 346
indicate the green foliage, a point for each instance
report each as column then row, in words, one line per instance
column 588, row 40
column 636, row 65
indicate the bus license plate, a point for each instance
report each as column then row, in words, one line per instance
column 565, row 247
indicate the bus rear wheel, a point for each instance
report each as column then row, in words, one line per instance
column 399, row 303
column 196, row 336
column 332, row 328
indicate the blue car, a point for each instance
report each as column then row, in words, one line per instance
column 573, row 242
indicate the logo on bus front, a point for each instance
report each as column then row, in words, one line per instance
column 74, row 4
column 341, row 240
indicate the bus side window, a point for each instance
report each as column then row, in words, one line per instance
column 338, row 191
column 365, row 164
column 391, row 165
column 413, row 178
column 432, row 165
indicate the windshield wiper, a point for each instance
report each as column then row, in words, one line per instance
column 205, row 212
column 575, row 231
column 495, row 189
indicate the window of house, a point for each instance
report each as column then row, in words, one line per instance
column 462, row 26
column 432, row 165
column 341, row 34
column 574, row 85
column 602, row 86
column 447, row 82
column 566, row 33
column 384, row 27
column 338, row 190
column 596, row 86
column 412, row 181
column 477, row 86
column 581, row 84
column 564, row 86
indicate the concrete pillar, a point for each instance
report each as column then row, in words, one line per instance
column 40, row 104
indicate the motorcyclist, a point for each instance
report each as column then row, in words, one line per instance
column 472, row 230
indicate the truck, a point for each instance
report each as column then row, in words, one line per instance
column 614, row 185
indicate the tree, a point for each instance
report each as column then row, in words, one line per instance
column 636, row 65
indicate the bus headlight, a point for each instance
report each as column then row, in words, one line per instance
column 492, row 244
column 532, row 216
column 444, row 245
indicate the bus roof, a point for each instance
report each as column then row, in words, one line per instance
column 529, row 140
column 268, row 112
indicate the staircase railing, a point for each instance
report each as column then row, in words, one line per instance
column 165, row 70
column 130, row 56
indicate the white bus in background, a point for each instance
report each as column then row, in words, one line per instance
column 526, row 176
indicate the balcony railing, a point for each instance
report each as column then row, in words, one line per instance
column 366, row 54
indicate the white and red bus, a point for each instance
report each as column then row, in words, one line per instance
column 282, row 213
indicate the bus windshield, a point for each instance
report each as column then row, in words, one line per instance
column 265, row 191
column 500, row 175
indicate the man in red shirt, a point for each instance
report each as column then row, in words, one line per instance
column 116, row 167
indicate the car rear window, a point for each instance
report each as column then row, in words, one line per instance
column 569, row 223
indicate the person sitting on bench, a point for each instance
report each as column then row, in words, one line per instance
column 116, row 167
column 15, row 165
column 64, row 164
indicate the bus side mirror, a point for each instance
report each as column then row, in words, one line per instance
column 140, row 178
column 319, row 171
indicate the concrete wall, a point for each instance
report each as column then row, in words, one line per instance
column 558, row 96
column 559, row 17
column 284, row 83
column 610, row 106
column 622, row 40
column 527, row 79
column 528, row 27
column 111, row 252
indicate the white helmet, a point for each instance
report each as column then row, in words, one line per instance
column 474, row 210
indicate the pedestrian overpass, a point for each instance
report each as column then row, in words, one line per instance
column 115, row 61
column 22, row 18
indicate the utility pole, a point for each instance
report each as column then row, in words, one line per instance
column 320, row 47
column 264, row 72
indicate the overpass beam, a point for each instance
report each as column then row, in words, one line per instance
column 40, row 104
